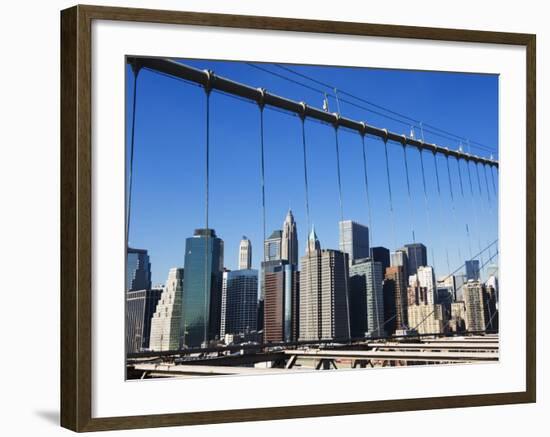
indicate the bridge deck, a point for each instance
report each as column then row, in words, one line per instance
column 426, row 356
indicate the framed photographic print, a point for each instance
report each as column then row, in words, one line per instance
column 268, row 218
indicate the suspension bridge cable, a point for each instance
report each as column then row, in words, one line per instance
column 409, row 119
column 131, row 163
column 346, row 265
column 474, row 211
column 411, row 209
column 453, row 209
column 426, row 204
column 262, row 171
column 494, row 185
column 441, row 212
column 390, row 193
column 308, row 220
column 467, row 228
column 475, row 256
column 367, row 186
column 206, row 212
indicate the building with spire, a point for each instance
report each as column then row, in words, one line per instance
column 245, row 254
column 280, row 284
column 324, row 306
column 289, row 241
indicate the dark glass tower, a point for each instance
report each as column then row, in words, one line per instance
column 202, row 285
column 138, row 270
column 416, row 257
column 382, row 255
column 472, row 269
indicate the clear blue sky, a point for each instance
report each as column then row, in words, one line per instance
column 168, row 187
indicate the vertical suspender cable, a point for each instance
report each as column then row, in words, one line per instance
column 441, row 213
column 306, row 187
column 468, row 237
column 475, row 214
column 460, row 259
column 367, row 186
column 346, row 265
column 390, row 192
column 427, row 207
column 392, row 217
column 207, row 90
column 136, row 70
column 262, row 166
column 411, row 209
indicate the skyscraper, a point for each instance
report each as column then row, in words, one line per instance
column 382, row 255
column 399, row 258
column 475, row 308
column 426, row 279
column 166, row 321
column 272, row 246
column 138, row 270
column 366, row 279
column 202, row 285
column 289, row 240
column 241, row 302
column 245, row 254
column 472, row 270
column 427, row 319
column 416, row 257
column 324, row 312
column 354, row 240
column 395, row 285
column 280, row 301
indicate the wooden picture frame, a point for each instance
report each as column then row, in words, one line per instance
column 76, row 217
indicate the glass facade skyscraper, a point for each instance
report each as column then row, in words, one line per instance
column 241, row 301
column 202, row 286
column 138, row 270
column 354, row 240
column 472, row 270
column 416, row 257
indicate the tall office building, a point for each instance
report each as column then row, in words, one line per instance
column 281, row 291
column 426, row 279
column 457, row 319
column 245, row 254
column 140, row 306
column 354, row 240
column 475, row 308
column 138, row 270
column 366, row 279
column 395, row 298
column 427, row 319
column 416, row 257
column 324, row 311
column 472, row 270
column 382, row 255
column 490, row 300
column 289, row 240
column 272, row 246
column 224, row 301
column 241, row 301
column 399, row 258
column 202, row 285
column 166, row 320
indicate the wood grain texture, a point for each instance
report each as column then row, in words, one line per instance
column 76, row 222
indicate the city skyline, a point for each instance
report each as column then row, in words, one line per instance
column 158, row 180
